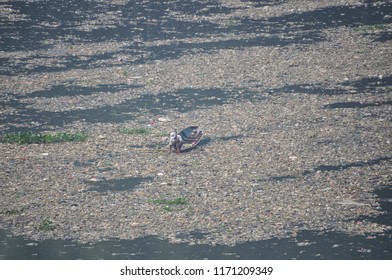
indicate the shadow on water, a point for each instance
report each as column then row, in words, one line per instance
column 349, row 165
column 72, row 90
column 342, row 105
column 375, row 85
column 384, row 37
column 146, row 20
column 184, row 100
column 296, row 28
column 330, row 168
column 141, row 21
column 370, row 84
column 204, row 141
column 336, row 16
column 341, row 167
column 307, row 89
column 123, row 184
column 264, row 3
column 151, row 20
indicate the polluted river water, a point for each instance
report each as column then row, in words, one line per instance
column 294, row 98
column 307, row 245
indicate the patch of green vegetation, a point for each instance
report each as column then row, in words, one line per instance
column 47, row 225
column 176, row 201
column 149, row 82
column 373, row 27
column 135, row 131
column 38, row 138
column 170, row 205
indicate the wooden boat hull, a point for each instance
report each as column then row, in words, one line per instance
column 191, row 137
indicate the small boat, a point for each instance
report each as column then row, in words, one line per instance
column 189, row 138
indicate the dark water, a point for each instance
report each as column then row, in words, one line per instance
column 146, row 21
column 308, row 245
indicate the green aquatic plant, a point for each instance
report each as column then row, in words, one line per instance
column 170, row 205
column 135, row 131
column 373, row 27
column 39, row 138
column 47, row 225
column 168, row 202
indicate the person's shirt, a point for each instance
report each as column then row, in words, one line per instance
column 173, row 139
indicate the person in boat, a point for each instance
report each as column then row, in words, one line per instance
column 175, row 142
column 194, row 133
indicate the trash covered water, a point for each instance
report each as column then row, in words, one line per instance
column 297, row 128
